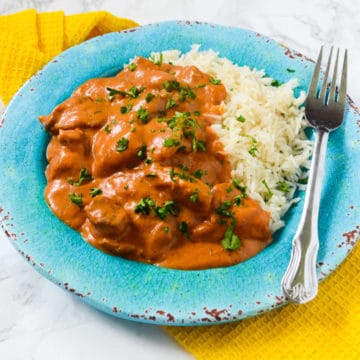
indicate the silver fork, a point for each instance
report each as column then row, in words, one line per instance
column 324, row 110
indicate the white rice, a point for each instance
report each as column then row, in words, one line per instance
column 274, row 125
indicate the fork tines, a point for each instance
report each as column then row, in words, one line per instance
column 329, row 91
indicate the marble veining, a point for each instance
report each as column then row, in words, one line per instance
column 40, row 321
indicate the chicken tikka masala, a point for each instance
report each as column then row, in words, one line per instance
column 136, row 168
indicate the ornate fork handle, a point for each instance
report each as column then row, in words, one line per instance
column 300, row 283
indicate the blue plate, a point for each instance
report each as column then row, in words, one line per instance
column 142, row 292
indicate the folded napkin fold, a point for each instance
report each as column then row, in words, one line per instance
column 326, row 328
column 29, row 40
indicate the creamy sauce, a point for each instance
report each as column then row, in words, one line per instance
column 144, row 176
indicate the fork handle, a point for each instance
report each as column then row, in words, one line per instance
column 300, row 283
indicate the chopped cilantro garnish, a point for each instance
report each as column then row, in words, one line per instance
column 166, row 229
column 126, row 109
column 215, row 81
column 132, row 67
column 237, row 199
column 269, row 193
column 134, row 92
column 171, row 85
column 83, row 177
column 197, row 113
column 169, row 142
column 122, row 144
column 230, row 241
column 95, row 191
column 171, row 103
column 169, row 207
column 194, row 195
column 107, row 128
column 149, row 97
column 240, row 187
column 158, row 61
column 253, row 150
column 283, row 186
column 141, row 154
column 146, row 204
column 199, row 173
column 290, row 70
column 77, row 199
column 240, row 119
column 276, row 83
column 186, row 92
column 223, row 209
column 183, row 227
column 143, row 115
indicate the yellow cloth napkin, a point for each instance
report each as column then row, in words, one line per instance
column 29, row 40
column 326, row 328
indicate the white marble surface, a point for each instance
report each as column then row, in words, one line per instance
column 40, row 321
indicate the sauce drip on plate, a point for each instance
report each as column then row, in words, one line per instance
column 136, row 168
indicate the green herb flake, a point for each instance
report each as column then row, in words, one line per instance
column 223, row 209
column 283, row 186
column 166, row 229
column 126, row 109
column 169, row 207
column 215, row 81
column 149, row 97
column 77, row 199
column 199, row 173
column 158, row 61
column 290, row 70
column 269, row 193
column 122, row 144
column 229, row 189
column 95, row 191
column 84, row 176
column 143, row 115
column 134, row 92
column 194, row 195
column 253, row 149
column 230, row 241
column 238, row 199
column 132, row 67
column 141, row 154
column 276, row 83
column 197, row 113
column 240, row 119
column 183, row 227
column 144, row 206
column 238, row 186
column 169, row 142
column 171, row 85
column 171, row 103
column 107, row 128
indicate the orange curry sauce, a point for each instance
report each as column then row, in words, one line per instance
column 135, row 167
